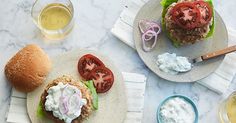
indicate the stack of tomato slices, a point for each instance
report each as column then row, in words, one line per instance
column 190, row 15
column 91, row 68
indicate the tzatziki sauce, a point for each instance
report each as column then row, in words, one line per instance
column 177, row 110
column 173, row 64
column 65, row 101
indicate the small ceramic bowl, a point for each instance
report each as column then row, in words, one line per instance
column 180, row 96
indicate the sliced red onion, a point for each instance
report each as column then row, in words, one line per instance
column 150, row 31
column 151, row 34
column 148, row 35
column 63, row 92
column 145, row 25
column 63, row 108
column 155, row 27
column 75, row 103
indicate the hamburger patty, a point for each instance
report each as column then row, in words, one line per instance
column 185, row 36
column 85, row 111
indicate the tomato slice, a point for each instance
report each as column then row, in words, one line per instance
column 186, row 15
column 103, row 79
column 206, row 12
column 87, row 63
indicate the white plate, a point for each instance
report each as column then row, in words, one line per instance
column 152, row 11
column 112, row 105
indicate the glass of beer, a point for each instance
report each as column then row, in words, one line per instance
column 55, row 18
column 227, row 111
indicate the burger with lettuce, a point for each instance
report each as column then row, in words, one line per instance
column 187, row 21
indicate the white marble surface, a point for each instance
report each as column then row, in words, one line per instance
column 92, row 31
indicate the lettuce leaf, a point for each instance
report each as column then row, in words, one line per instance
column 166, row 3
column 212, row 28
column 92, row 89
column 40, row 112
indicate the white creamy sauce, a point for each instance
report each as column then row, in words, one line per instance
column 65, row 101
column 170, row 63
column 177, row 110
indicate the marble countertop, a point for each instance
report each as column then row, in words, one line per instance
column 92, row 31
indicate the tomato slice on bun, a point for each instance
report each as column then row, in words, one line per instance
column 186, row 15
column 206, row 12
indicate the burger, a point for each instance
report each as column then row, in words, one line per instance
column 65, row 100
column 187, row 21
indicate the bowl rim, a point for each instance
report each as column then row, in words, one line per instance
column 181, row 96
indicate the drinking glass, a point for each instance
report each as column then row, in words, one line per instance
column 53, row 33
column 227, row 110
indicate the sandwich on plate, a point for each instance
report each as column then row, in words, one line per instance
column 65, row 100
column 187, row 21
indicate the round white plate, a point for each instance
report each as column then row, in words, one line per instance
column 112, row 105
column 152, row 11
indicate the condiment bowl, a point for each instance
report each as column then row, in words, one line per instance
column 180, row 96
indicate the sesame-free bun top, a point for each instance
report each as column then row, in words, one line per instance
column 28, row 68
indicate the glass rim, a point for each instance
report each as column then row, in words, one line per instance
column 231, row 95
column 52, row 31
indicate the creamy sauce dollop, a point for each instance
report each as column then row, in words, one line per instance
column 173, row 64
column 177, row 110
column 65, row 101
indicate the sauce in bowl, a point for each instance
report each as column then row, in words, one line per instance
column 177, row 109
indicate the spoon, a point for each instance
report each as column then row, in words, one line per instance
column 213, row 54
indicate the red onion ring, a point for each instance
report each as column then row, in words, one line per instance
column 150, row 31
column 64, row 104
column 151, row 35
column 149, row 25
column 64, row 100
column 78, row 102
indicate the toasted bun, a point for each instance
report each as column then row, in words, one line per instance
column 86, row 110
column 28, row 68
